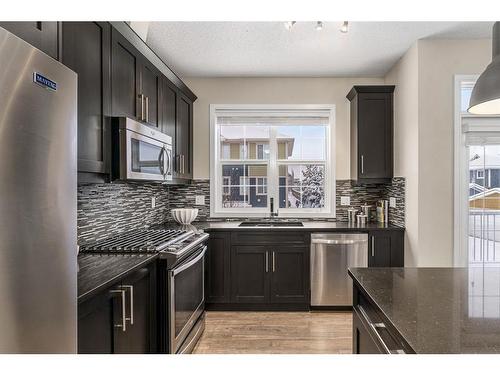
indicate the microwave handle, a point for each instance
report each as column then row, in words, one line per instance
column 168, row 162
column 161, row 161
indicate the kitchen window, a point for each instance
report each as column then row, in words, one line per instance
column 279, row 152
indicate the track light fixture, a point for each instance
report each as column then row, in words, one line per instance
column 289, row 25
column 345, row 27
column 319, row 25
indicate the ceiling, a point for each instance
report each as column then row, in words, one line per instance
column 264, row 49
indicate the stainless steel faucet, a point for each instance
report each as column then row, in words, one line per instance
column 271, row 206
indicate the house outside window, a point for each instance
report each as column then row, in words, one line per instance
column 284, row 152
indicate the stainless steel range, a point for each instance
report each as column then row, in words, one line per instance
column 181, row 277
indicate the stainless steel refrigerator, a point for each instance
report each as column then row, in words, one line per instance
column 38, row 249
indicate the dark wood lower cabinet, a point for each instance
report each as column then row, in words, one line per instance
column 249, row 274
column 270, row 270
column 290, row 274
column 386, row 248
column 269, row 274
column 95, row 324
column 217, row 277
column 131, row 302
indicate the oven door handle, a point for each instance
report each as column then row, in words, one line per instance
column 183, row 267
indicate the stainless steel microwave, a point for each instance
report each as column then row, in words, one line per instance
column 139, row 152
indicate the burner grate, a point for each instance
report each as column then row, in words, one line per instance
column 142, row 240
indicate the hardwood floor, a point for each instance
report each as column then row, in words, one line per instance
column 276, row 332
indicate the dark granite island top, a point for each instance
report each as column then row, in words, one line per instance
column 437, row 310
column 96, row 272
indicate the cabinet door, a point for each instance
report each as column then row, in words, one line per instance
column 95, row 324
column 168, row 111
column 386, row 249
column 140, row 314
column 249, row 274
column 375, row 148
column 289, row 274
column 150, row 87
column 42, row 35
column 85, row 50
column 125, row 63
column 184, row 137
column 218, row 285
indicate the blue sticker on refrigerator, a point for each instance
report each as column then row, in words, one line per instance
column 44, row 81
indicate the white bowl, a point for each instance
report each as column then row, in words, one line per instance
column 184, row 215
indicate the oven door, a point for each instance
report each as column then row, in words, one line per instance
column 143, row 158
column 186, row 297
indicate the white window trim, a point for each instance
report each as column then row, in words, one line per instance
column 273, row 110
column 477, row 174
column 228, row 185
column 461, row 173
column 263, row 185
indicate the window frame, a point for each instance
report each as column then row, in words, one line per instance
column 216, row 209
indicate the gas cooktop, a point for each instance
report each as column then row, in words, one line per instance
column 147, row 241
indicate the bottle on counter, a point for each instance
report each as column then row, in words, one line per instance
column 383, row 211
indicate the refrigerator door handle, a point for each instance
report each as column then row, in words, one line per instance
column 121, row 292
column 131, row 290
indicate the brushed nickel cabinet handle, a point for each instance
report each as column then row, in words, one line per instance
column 274, row 262
column 147, row 109
column 373, row 246
column 131, row 290
column 267, row 262
column 362, row 164
column 123, row 326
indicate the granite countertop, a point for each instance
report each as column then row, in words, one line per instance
column 97, row 272
column 438, row 310
column 308, row 226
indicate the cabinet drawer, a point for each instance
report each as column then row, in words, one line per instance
column 385, row 338
column 269, row 238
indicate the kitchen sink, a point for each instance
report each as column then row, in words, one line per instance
column 271, row 224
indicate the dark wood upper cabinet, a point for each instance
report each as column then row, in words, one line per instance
column 40, row 34
column 372, row 123
column 125, row 73
column 85, row 50
column 168, row 109
column 150, row 87
column 184, row 138
column 289, row 274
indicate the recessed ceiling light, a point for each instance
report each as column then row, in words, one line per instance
column 319, row 25
column 289, row 25
column 345, row 27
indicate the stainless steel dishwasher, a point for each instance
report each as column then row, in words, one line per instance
column 331, row 255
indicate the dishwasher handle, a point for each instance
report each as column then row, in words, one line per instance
column 337, row 242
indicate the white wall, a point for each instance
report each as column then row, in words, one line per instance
column 424, row 140
column 439, row 61
column 272, row 91
column 404, row 75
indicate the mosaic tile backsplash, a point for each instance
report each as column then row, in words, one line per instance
column 105, row 210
